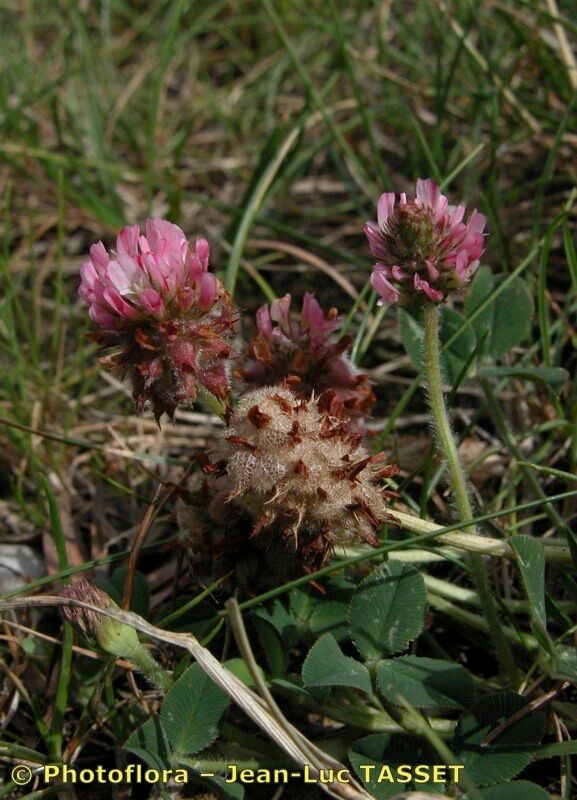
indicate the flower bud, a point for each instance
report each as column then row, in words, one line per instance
column 112, row 636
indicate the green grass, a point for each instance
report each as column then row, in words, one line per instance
column 258, row 124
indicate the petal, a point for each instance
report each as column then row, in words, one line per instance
column 473, row 239
column 202, row 253
column 384, row 289
column 455, row 215
column 465, row 267
column 398, row 274
column 461, row 263
column 143, row 244
column 432, row 270
column 425, row 287
column 102, row 317
column 99, row 256
column 473, row 267
column 375, row 239
column 264, row 322
column 312, row 315
column 155, row 270
column 185, row 297
column 158, row 230
column 279, row 312
column 385, row 205
column 118, row 303
column 124, row 274
column 154, row 232
column 441, row 209
column 428, row 193
column 152, row 302
column 127, row 241
column 85, row 294
column 476, row 223
column 88, row 276
column 174, row 269
column 208, row 290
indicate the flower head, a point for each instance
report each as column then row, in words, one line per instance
column 167, row 317
column 288, row 483
column 424, row 249
column 293, row 467
column 306, row 350
column 218, row 541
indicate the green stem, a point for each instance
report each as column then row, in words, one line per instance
column 423, row 728
column 459, row 485
column 220, row 765
column 378, row 721
column 479, row 623
column 61, row 697
column 147, row 665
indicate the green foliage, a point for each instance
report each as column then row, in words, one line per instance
column 233, row 790
column 150, row 743
column 552, row 378
column 515, row 790
column 330, row 616
column 314, row 616
column 506, row 322
column 326, row 665
column 192, row 710
column 391, row 751
column 503, row 324
column 293, row 688
column 239, row 668
column 531, row 561
column 272, row 643
column 568, row 748
column 566, row 663
column 276, row 151
column 280, row 618
column 286, row 133
column 387, row 610
column 510, row 752
column 426, row 682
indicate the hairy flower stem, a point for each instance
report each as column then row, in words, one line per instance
column 147, row 665
column 459, row 485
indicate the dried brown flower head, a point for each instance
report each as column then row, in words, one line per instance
column 290, row 464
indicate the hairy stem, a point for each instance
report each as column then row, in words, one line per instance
column 459, row 485
column 147, row 665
